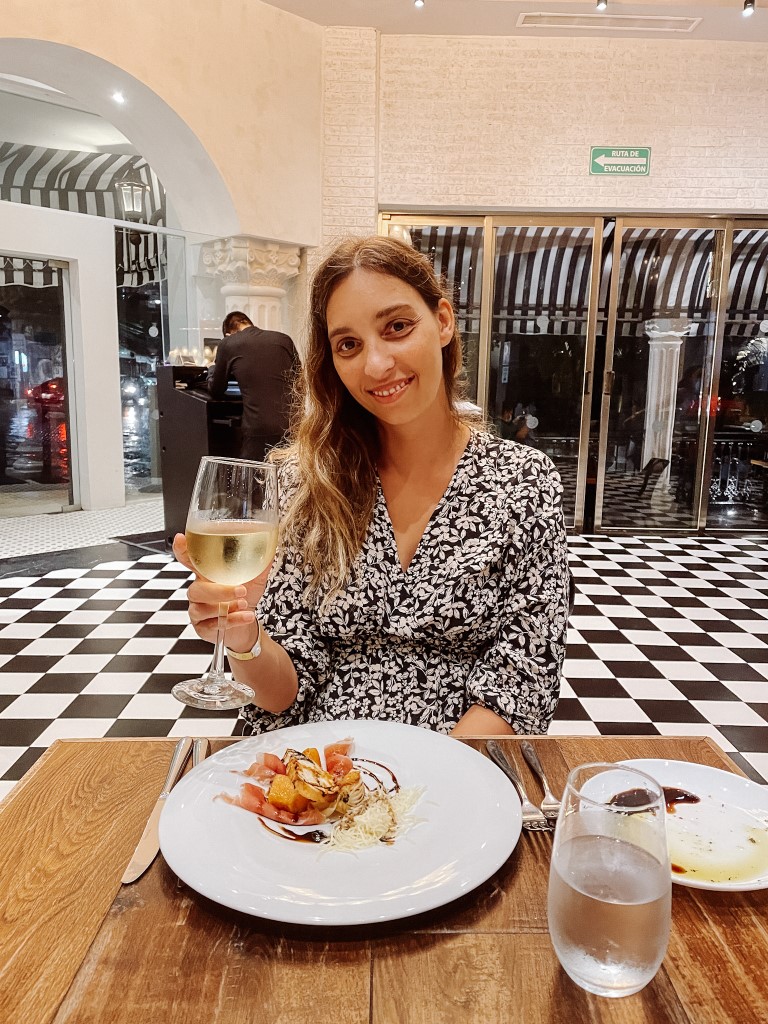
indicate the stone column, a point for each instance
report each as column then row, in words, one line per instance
column 252, row 276
column 665, row 336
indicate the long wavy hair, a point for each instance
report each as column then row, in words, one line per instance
column 334, row 440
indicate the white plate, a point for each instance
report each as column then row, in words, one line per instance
column 722, row 841
column 469, row 822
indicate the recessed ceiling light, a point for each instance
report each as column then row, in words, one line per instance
column 749, row 8
column 118, row 97
column 418, row 3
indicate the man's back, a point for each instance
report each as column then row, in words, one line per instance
column 263, row 363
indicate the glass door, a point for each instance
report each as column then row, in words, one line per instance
column 660, row 347
column 542, row 341
column 36, row 412
column 525, row 291
column 736, row 486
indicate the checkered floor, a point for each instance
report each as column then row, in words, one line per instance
column 667, row 637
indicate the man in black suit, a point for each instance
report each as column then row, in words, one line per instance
column 264, row 364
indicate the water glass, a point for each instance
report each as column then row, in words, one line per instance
column 610, row 884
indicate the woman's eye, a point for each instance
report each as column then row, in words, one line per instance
column 399, row 326
column 345, row 345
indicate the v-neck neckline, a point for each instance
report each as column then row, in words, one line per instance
column 445, row 497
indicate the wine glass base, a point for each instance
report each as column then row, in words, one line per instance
column 225, row 696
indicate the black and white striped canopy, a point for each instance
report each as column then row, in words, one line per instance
column 86, row 183
column 79, row 182
column 31, row 273
column 542, row 277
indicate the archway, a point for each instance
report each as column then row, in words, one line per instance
column 199, row 196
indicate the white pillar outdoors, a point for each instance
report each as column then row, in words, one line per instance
column 252, row 275
column 665, row 336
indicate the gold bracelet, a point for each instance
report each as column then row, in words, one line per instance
column 254, row 652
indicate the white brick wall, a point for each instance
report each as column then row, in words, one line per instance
column 481, row 123
column 349, row 132
column 489, row 123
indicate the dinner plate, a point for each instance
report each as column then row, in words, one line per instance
column 467, row 822
column 720, row 842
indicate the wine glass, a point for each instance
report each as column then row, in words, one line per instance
column 231, row 538
column 610, row 882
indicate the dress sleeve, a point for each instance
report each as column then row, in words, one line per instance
column 291, row 620
column 518, row 675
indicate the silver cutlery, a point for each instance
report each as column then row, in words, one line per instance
column 550, row 805
column 533, row 819
column 148, row 846
column 200, row 750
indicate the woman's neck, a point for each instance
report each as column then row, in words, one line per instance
column 410, row 449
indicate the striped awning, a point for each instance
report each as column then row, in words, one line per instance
column 30, row 273
column 140, row 257
column 542, row 277
column 79, row 182
column 748, row 283
column 456, row 254
column 542, row 280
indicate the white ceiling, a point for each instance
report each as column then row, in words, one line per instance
column 34, row 114
column 720, row 19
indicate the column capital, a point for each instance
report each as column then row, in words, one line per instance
column 251, row 262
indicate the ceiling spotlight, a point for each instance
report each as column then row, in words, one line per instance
column 118, row 97
column 749, row 8
column 602, row 5
column 418, row 3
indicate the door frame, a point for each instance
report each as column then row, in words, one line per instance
column 710, row 380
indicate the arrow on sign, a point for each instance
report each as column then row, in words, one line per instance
column 604, row 160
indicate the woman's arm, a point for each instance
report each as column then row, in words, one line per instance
column 478, row 721
column 272, row 674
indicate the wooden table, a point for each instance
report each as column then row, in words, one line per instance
column 75, row 946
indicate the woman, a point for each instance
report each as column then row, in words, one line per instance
column 422, row 570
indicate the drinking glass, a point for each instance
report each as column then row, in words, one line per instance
column 231, row 538
column 610, row 884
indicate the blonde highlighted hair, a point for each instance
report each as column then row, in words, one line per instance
column 334, row 441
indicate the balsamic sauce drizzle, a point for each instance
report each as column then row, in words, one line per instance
column 640, row 797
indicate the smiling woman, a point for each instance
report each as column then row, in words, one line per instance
column 421, row 574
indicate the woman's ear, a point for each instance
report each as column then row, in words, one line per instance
column 446, row 321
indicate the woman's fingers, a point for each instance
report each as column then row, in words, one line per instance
column 180, row 550
column 205, row 597
column 239, row 625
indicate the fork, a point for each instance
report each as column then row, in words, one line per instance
column 533, row 819
column 550, row 805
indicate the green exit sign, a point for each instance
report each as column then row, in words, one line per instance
column 619, row 160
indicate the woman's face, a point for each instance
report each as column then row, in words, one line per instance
column 387, row 345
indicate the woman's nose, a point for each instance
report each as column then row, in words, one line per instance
column 378, row 359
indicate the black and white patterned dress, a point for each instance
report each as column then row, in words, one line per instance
column 479, row 616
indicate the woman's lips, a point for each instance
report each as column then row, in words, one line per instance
column 391, row 391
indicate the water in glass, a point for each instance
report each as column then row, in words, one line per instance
column 610, row 882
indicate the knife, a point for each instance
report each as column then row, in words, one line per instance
column 200, row 749
column 149, row 844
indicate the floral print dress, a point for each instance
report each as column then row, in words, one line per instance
column 478, row 617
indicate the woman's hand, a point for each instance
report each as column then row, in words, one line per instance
column 205, row 596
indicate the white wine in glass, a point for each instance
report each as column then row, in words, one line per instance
column 231, row 538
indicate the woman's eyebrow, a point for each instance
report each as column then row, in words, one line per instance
column 398, row 307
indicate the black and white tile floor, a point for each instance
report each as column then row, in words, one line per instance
column 668, row 636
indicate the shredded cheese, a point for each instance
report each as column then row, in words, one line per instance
column 382, row 818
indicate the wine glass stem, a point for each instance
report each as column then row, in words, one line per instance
column 215, row 675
